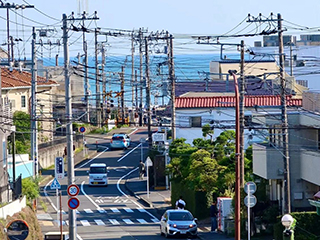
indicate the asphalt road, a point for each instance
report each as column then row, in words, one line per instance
column 110, row 212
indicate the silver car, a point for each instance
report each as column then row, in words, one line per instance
column 174, row 222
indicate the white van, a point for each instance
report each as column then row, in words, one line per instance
column 98, row 174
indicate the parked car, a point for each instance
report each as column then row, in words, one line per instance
column 178, row 222
column 98, row 174
column 120, row 140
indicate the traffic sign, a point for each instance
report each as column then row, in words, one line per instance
column 250, row 186
column 73, row 190
column 82, row 129
column 55, row 184
column 149, row 162
column 59, row 168
column 73, row 203
column 250, row 202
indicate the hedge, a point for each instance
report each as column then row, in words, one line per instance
column 307, row 227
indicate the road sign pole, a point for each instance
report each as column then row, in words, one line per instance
column 61, row 215
column 57, row 205
column 249, row 214
column 147, row 180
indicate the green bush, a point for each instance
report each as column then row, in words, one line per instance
column 307, row 227
column 30, row 188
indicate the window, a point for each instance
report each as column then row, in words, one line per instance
column 196, row 122
column 23, row 101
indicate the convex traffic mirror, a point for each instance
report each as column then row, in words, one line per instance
column 17, row 230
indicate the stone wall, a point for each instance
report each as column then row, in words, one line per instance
column 48, row 152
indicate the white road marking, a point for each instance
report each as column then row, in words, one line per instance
column 85, row 223
column 155, row 220
column 127, row 221
column 89, row 198
column 141, row 210
column 114, row 221
column 77, row 211
column 114, row 210
column 208, row 228
column 140, row 220
column 128, row 209
column 67, row 222
column 120, row 159
column 99, row 222
column 101, row 210
column 87, row 210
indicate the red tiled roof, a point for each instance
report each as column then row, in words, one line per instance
column 229, row 101
column 15, row 78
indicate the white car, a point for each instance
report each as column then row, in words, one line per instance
column 98, row 174
column 178, row 222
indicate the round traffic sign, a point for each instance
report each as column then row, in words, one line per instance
column 250, row 186
column 73, row 190
column 73, row 203
column 250, row 202
column 82, row 129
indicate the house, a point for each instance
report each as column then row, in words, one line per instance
column 194, row 110
column 16, row 86
column 304, row 154
column 77, row 92
column 6, row 129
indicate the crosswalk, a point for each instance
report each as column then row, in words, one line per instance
column 88, row 211
column 111, row 216
column 103, row 222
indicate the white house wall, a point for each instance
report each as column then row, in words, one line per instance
column 224, row 115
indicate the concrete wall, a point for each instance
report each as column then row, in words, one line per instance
column 13, row 207
column 47, row 155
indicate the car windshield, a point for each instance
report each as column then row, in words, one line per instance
column 180, row 216
column 119, row 138
column 98, row 170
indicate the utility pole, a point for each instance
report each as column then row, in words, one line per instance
column 136, row 89
column 122, row 94
column 34, row 137
column 284, row 121
column 70, row 159
column 104, row 83
column 172, row 81
column 148, row 93
column 9, row 6
column 13, row 134
column 86, row 81
column 132, row 77
column 98, row 107
column 141, row 76
column 241, row 113
column 291, row 58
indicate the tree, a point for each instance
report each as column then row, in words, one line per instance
column 207, row 130
column 22, row 122
column 204, row 171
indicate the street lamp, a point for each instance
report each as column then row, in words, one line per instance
column 289, row 223
column 166, row 147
